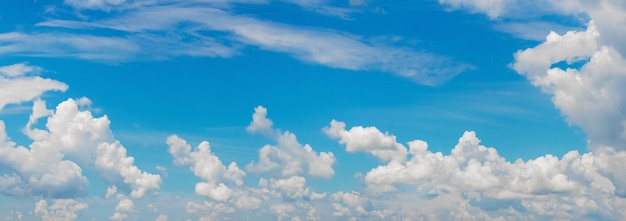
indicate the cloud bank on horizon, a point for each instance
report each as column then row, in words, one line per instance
column 72, row 149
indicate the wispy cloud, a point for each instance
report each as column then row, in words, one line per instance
column 331, row 48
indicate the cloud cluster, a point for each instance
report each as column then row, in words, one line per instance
column 61, row 209
column 578, row 185
column 584, row 71
column 289, row 157
column 412, row 182
column 225, row 188
column 72, row 140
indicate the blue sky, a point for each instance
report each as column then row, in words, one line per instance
column 312, row 110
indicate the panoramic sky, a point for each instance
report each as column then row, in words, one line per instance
column 312, row 110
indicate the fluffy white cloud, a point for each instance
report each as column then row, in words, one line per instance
column 110, row 191
column 206, row 165
column 161, row 217
column 17, row 84
column 32, row 172
column 124, row 207
column 369, row 139
column 590, row 95
column 112, row 158
column 289, row 156
column 61, row 209
column 292, row 187
column 260, row 123
column 573, row 182
column 50, row 165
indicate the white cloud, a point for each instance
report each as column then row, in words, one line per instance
column 19, row 69
column 61, row 209
column 206, row 165
column 318, row 46
column 213, row 211
column 283, row 210
column 492, row 8
column 369, row 139
column 17, row 86
column 112, row 158
column 292, row 187
column 49, row 167
column 260, row 122
column 289, row 156
column 108, row 49
column 574, row 181
column 589, row 96
column 124, row 207
column 94, row 4
column 32, row 172
column 110, row 191
column 161, row 217
column 532, row 30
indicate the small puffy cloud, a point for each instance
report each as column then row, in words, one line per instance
column 61, row 209
column 161, row 217
column 110, row 191
column 367, row 139
column 17, row 85
column 260, row 123
column 19, row 69
column 289, row 156
column 124, row 207
column 206, row 165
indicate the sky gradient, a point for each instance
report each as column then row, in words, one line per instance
column 312, row 110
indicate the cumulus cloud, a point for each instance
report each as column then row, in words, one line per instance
column 206, row 165
column 112, row 158
column 292, row 187
column 480, row 173
column 260, row 122
column 369, row 139
column 124, row 207
column 17, row 84
column 289, row 156
column 34, row 171
column 210, row 210
column 161, row 217
column 589, row 95
column 61, row 209
column 50, row 165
